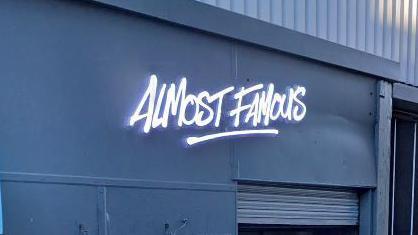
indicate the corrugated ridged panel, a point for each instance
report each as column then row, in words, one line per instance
column 386, row 28
column 296, row 206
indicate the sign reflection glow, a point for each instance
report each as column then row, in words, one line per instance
column 254, row 110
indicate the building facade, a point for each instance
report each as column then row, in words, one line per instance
column 385, row 28
column 177, row 117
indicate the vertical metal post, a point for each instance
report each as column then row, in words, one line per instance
column 380, row 220
column 393, row 176
column 413, row 179
column 102, row 210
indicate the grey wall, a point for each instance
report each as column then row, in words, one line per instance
column 335, row 138
column 72, row 72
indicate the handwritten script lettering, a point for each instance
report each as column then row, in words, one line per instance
column 254, row 109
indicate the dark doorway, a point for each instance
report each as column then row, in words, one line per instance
column 296, row 230
column 404, row 194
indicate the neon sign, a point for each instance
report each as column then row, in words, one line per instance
column 253, row 111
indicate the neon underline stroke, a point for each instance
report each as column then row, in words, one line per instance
column 194, row 140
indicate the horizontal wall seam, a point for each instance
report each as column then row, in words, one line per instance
column 112, row 182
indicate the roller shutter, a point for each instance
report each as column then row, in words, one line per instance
column 296, row 206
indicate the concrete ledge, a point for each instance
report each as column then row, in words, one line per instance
column 405, row 92
column 304, row 185
column 221, row 22
column 405, row 98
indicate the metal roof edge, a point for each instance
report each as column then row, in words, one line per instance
column 218, row 21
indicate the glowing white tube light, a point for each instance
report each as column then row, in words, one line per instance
column 195, row 140
column 256, row 106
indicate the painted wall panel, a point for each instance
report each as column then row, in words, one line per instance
column 68, row 86
column 36, row 208
column 385, row 28
column 76, row 85
column 146, row 211
column 351, row 151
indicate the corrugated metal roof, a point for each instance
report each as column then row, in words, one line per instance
column 386, row 28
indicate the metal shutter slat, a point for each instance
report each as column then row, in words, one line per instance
column 296, row 206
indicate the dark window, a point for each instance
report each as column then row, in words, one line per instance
column 404, row 193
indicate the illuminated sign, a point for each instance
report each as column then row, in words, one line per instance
column 252, row 113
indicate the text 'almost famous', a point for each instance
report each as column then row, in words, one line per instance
column 252, row 112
